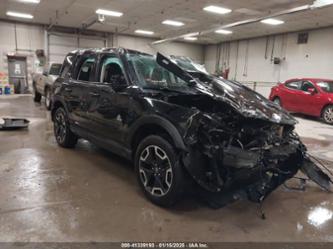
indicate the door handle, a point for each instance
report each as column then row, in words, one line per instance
column 93, row 94
column 67, row 89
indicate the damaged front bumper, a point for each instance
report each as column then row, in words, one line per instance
column 232, row 161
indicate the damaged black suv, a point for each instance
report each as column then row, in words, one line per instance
column 178, row 123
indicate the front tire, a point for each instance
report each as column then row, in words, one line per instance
column 327, row 114
column 48, row 102
column 64, row 136
column 159, row 172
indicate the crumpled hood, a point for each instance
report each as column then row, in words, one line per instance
column 244, row 100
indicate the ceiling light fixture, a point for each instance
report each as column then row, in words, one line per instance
column 272, row 21
column 223, row 31
column 217, row 9
column 30, row 1
column 190, row 38
column 173, row 23
column 144, row 32
column 20, row 15
column 109, row 13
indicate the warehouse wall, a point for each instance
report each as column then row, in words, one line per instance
column 32, row 37
column 61, row 44
column 313, row 59
column 28, row 39
column 194, row 51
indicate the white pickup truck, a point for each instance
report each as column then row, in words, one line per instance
column 42, row 83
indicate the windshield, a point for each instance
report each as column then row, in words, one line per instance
column 326, row 86
column 55, row 69
column 188, row 65
column 151, row 75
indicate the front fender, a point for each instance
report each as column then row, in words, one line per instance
column 163, row 123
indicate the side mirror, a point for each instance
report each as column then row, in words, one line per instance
column 312, row 91
column 45, row 73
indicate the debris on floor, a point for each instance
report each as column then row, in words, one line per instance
column 14, row 123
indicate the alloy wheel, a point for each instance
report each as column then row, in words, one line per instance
column 155, row 171
column 328, row 115
column 60, row 127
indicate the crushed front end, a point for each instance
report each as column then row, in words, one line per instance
column 233, row 157
column 240, row 145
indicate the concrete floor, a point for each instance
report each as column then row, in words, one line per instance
column 86, row 194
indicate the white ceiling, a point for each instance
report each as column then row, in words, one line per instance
column 148, row 15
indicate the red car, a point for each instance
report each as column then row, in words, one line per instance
column 313, row 97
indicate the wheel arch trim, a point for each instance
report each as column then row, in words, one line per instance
column 158, row 121
column 55, row 104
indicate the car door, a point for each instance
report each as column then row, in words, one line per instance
column 78, row 88
column 309, row 99
column 108, row 101
column 289, row 90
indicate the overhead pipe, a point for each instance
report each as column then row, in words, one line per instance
column 89, row 24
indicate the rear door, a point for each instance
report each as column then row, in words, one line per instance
column 288, row 93
column 78, row 88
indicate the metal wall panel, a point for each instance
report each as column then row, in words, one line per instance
column 59, row 45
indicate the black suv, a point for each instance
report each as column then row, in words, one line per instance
column 178, row 124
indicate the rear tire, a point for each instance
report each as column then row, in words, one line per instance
column 48, row 101
column 159, row 172
column 327, row 114
column 37, row 96
column 64, row 136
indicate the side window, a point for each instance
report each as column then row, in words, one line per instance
column 296, row 85
column 306, row 86
column 86, row 70
column 112, row 70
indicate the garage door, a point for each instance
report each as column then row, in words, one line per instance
column 61, row 45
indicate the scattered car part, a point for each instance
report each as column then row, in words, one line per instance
column 14, row 123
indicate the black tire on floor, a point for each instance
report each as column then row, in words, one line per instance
column 37, row 95
column 160, row 175
column 64, row 136
column 327, row 114
column 48, row 101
